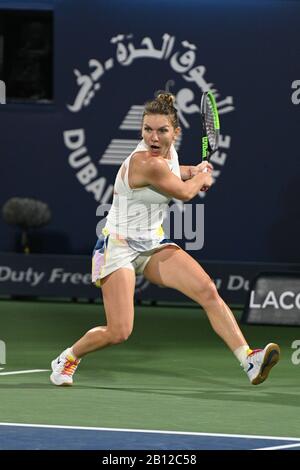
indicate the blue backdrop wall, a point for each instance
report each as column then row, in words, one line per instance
column 109, row 58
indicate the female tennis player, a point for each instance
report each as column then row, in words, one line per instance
column 133, row 242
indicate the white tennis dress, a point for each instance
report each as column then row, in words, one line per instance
column 133, row 230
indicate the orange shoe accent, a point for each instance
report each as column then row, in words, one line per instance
column 253, row 351
column 70, row 366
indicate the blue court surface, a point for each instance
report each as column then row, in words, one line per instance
column 15, row 436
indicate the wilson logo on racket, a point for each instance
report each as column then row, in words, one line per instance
column 204, row 147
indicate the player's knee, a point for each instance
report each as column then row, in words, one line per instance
column 120, row 335
column 208, row 294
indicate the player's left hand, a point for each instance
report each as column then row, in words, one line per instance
column 194, row 170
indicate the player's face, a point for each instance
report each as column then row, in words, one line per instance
column 159, row 134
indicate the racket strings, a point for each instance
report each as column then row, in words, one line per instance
column 212, row 133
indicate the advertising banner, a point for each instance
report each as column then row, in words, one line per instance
column 59, row 276
column 274, row 299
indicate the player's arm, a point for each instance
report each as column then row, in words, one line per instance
column 156, row 173
column 185, row 172
column 189, row 171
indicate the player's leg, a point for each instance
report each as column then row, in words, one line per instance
column 118, row 294
column 173, row 267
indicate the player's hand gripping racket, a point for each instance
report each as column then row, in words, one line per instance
column 211, row 125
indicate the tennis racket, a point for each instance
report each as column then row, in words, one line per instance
column 211, row 125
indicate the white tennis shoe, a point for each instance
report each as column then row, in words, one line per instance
column 261, row 361
column 64, row 367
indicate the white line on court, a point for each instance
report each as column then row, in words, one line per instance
column 24, row 371
column 241, row 436
column 286, row 446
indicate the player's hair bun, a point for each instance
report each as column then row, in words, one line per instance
column 164, row 103
column 166, row 98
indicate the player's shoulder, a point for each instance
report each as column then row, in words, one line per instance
column 140, row 156
column 146, row 161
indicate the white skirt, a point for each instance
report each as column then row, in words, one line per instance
column 112, row 253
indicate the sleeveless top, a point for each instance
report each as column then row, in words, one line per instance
column 136, row 215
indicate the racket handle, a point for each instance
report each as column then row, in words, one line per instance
column 204, row 159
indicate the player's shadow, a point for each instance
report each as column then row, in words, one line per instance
column 223, row 395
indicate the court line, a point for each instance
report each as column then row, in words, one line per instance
column 287, row 446
column 24, row 371
column 241, row 436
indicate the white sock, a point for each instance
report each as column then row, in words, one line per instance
column 241, row 354
column 70, row 351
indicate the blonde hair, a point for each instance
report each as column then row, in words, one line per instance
column 163, row 104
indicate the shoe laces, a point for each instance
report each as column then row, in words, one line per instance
column 254, row 351
column 70, row 366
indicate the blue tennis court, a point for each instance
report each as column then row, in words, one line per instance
column 38, row 437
